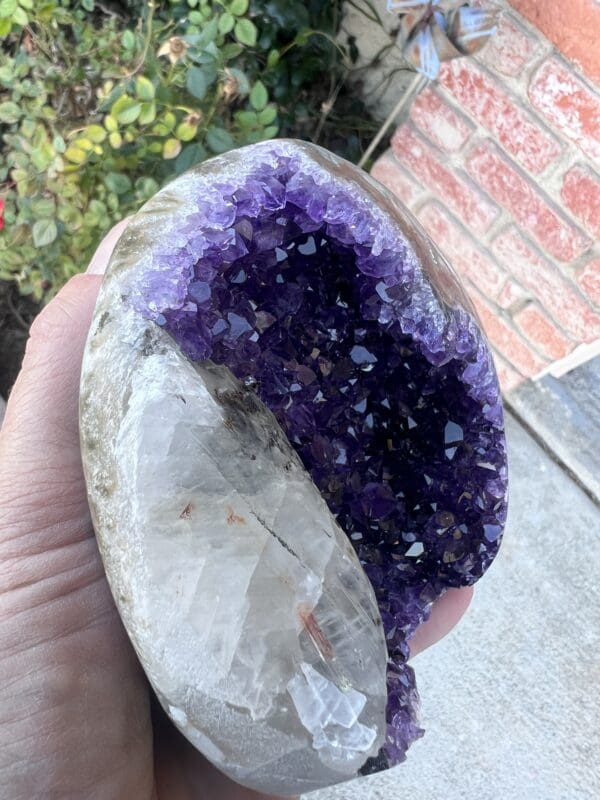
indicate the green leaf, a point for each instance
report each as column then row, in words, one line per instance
column 75, row 154
column 28, row 4
column 259, row 97
column 87, row 4
column 126, row 110
column 146, row 187
column 271, row 131
column 70, row 216
column 171, row 148
column 96, row 133
column 245, row 32
column 186, row 132
column 231, row 51
column 272, row 59
column 44, row 207
column 226, row 23
column 219, row 140
column 190, row 155
column 7, row 8
column 144, row 88
column 117, row 182
column 9, row 112
column 20, row 17
column 98, row 208
column 44, row 232
column 209, row 33
column 111, row 124
column 196, row 82
column 128, row 39
column 115, row 139
column 41, row 158
column 5, row 27
column 267, row 115
column 238, row 7
column 112, row 201
column 148, row 113
column 247, row 119
column 165, row 124
column 84, row 144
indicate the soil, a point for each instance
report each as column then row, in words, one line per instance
column 16, row 315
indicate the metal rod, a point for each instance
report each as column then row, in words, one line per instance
column 419, row 82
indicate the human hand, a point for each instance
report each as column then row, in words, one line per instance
column 76, row 715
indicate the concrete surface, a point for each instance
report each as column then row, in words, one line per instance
column 511, row 701
column 564, row 411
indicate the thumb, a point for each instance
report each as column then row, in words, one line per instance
column 40, row 467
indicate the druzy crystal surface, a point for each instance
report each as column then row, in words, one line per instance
column 286, row 279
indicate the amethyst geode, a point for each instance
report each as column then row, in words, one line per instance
column 324, row 297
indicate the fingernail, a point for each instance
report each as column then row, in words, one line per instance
column 101, row 257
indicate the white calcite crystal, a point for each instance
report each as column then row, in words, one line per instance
column 249, row 611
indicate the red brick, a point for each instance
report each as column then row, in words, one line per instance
column 510, row 344
column 528, row 205
column 473, row 208
column 572, row 25
column 589, row 280
column 537, row 328
column 544, row 281
column 581, row 194
column 519, row 133
column 441, row 124
column 461, row 250
column 388, row 171
column 511, row 295
column 511, row 49
column 568, row 104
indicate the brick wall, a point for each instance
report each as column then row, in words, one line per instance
column 500, row 160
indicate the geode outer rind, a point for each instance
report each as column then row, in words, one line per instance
column 322, row 295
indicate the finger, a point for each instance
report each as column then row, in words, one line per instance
column 69, row 680
column 40, row 467
column 41, row 481
column 445, row 614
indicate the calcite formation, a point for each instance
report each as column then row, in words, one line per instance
column 293, row 442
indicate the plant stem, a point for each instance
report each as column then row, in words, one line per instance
column 373, row 15
column 142, row 61
column 419, row 82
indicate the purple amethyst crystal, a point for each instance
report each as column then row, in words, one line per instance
column 318, row 291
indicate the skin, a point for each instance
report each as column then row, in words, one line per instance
column 77, row 719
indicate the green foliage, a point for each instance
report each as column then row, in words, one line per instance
column 101, row 104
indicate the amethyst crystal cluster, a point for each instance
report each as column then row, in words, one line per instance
column 321, row 295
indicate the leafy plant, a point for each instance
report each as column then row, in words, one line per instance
column 102, row 103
